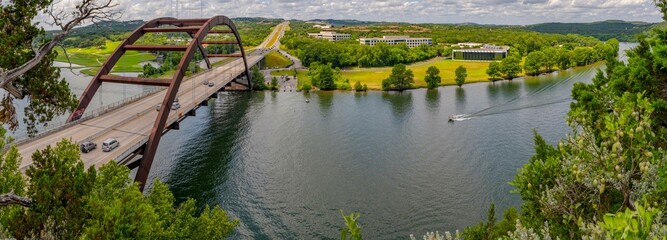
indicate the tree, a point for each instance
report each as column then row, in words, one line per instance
column 274, row 84
column 400, row 79
column 494, row 70
column 323, row 76
column 511, row 66
column 563, row 59
column 534, row 62
column 549, row 58
column 65, row 201
column 432, row 77
column 461, row 73
column 358, row 87
column 26, row 58
column 597, row 169
column 365, row 87
column 306, row 87
column 258, row 80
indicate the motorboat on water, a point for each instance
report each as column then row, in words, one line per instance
column 456, row 117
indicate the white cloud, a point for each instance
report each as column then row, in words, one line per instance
column 420, row 11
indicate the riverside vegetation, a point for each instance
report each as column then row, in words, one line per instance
column 368, row 64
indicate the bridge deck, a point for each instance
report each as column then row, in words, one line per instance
column 131, row 124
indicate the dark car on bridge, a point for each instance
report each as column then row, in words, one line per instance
column 88, row 146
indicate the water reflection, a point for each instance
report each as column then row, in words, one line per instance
column 460, row 95
column 325, row 100
column 433, row 99
column 510, row 88
column 400, row 102
column 492, row 91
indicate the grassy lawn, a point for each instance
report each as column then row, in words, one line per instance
column 374, row 76
column 276, row 60
column 94, row 57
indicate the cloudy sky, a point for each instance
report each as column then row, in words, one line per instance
column 419, row 11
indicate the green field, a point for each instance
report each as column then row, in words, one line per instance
column 373, row 76
column 94, row 58
column 276, row 60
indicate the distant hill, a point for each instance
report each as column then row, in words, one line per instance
column 105, row 28
column 342, row 22
column 621, row 30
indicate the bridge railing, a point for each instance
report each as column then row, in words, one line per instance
column 89, row 115
column 116, row 105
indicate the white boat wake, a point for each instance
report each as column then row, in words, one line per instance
column 459, row 117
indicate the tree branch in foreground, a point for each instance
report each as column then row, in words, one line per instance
column 13, row 199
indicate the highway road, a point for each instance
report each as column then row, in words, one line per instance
column 131, row 124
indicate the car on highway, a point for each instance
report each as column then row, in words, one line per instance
column 210, row 84
column 88, row 146
column 205, row 82
column 110, row 144
column 174, row 106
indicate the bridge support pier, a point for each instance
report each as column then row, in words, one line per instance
column 175, row 126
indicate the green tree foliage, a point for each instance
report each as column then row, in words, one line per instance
column 491, row 229
column 563, row 58
column 306, row 87
column 10, row 179
column 351, row 53
column 70, row 202
column 589, row 185
column 643, row 223
column 549, row 59
column 323, row 76
column 358, row 87
column 48, row 95
column 533, row 63
column 511, row 66
column 461, row 73
column 274, row 84
column 494, row 71
column 352, row 230
column 597, row 169
column 345, row 85
column 258, row 80
column 432, row 77
column 400, row 79
column 603, row 30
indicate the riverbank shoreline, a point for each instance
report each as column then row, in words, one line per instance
column 302, row 74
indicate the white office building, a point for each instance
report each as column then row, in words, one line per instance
column 322, row 26
column 331, row 36
column 393, row 40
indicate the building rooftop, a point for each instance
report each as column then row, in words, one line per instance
column 326, row 33
column 402, row 37
column 485, row 48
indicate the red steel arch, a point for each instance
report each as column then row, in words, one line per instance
column 198, row 29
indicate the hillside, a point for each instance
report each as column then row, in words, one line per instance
column 621, row 30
